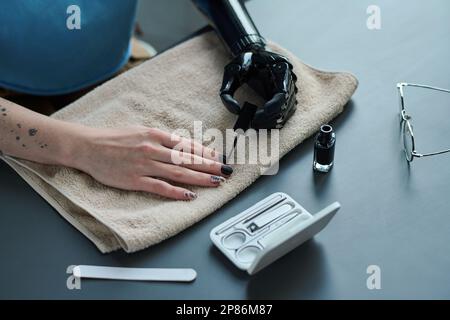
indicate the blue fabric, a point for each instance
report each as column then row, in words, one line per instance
column 40, row 55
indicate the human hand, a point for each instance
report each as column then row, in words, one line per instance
column 135, row 158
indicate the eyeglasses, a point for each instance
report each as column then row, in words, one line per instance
column 406, row 127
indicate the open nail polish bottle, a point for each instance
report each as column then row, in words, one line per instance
column 324, row 149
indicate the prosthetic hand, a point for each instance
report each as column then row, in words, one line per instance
column 268, row 73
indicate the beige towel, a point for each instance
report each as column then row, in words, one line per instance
column 170, row 92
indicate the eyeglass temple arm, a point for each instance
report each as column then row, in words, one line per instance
column 420, row 155
column 404, row 84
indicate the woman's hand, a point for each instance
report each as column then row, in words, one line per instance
column 135, row 158
column 127, row 158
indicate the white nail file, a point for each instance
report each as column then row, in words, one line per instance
column 137, row 274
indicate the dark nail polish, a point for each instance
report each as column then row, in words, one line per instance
column 227, row 170
column 190, row 195
column 217, row 179
column 324, row 149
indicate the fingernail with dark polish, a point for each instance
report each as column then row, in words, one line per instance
column 227, row 170
column 190, row 195
column 217, row 179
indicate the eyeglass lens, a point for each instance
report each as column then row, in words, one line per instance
column 408, row 143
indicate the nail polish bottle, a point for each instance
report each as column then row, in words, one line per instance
column 324, row 149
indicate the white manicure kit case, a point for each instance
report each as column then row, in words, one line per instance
column 268, row 230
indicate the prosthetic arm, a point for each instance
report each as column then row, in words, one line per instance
column 266, row 72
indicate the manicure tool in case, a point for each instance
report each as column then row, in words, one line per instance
column 268, row 230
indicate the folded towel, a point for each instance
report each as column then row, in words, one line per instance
column 170, row 92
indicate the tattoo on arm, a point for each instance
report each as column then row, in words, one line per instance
column 32, row 132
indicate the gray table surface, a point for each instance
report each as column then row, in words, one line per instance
column 393, row 216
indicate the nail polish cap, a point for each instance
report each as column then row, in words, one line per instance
column 325, row 135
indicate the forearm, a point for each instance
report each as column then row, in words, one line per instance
column 132, row 158
column 29, row 135
column 233, row 23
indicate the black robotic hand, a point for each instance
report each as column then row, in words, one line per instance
column 271, row 76
column 268, row 73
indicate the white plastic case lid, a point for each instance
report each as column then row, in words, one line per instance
column 290, row 236
column 282, row 240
